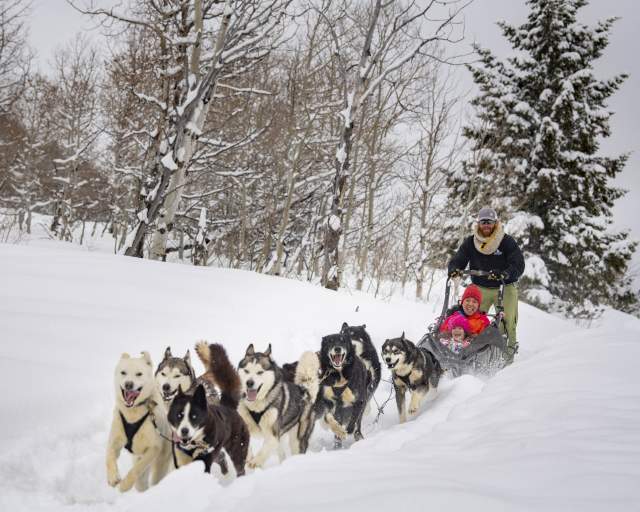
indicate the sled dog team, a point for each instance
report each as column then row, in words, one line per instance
column 169, row 417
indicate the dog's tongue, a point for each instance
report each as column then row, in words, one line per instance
column 337, row 358
column 252, row 394
column 130, row 396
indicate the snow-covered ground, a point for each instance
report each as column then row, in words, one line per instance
column 558, row 430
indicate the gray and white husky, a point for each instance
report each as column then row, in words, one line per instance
column 271, row 406
column 177, row 373
column 139, row 425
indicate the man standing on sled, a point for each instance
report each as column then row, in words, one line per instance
column 491, row 250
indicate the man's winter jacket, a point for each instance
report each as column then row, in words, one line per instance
column 499, row 252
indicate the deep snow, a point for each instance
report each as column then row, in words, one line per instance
column 558, row 430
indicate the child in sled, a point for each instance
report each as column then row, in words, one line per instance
column 458, row 333
column 469, row 308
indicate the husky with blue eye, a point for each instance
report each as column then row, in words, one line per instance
column 207, row 430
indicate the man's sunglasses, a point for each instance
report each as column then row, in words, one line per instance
column 487, row 222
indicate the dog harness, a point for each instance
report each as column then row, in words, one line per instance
column 272, row 398
column 196, row 453
column 257, row 416
column 131, row 429
column 339, row 386
column 406, row 379
column 187, row 451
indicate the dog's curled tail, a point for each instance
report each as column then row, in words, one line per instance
column 214, row 358
column 307, row 374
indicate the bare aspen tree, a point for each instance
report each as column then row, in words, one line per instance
column 130, row 120
column 15, row 56
column 359, row 84
column 39, row 148
column 391, row 107
column 218, row 140
column 406, row 247
column 426, row 165
column 200, row 254
column 297, row 133
column 238, row 30
column 310, row 96
column 75, row 119
column 177, row 159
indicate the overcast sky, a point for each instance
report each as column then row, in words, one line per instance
column 53, row 22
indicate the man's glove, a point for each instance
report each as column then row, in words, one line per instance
column 498, row 275
column 455, row 273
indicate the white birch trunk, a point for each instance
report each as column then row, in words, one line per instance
column 422, row 245
column 331, row 272
column 405, row 250
column 183, row 153
column 175, row 162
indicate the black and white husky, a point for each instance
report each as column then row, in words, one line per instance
column 209, row 430
column 413, row 368
column 344, row 388
column 272, row 406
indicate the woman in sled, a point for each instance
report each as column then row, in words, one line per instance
column 469, row 308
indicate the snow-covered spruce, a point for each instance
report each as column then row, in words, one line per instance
column 540, row 117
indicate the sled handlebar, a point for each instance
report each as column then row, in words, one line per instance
column 465, row 273
column 478, row 273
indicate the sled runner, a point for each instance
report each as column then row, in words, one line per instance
column 485, row 354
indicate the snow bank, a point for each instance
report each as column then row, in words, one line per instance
column 558, row 430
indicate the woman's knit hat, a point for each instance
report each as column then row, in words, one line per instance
column 472, row 292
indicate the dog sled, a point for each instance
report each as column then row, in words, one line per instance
column 486, row 353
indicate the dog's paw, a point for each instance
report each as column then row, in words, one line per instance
column 340, row 433
column 254, row 463
column 127, row 483
column 113, row 479
column 413, row 411
column 403, row 418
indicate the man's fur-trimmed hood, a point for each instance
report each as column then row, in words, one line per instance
column 488, row 245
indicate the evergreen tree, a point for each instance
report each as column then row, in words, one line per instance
column 541, row 115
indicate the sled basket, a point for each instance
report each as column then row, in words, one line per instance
column 486, row 353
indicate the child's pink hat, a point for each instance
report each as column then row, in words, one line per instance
column 459, row 321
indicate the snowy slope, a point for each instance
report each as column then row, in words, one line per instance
column 558, row 430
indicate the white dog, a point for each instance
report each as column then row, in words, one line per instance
column 139, row 424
